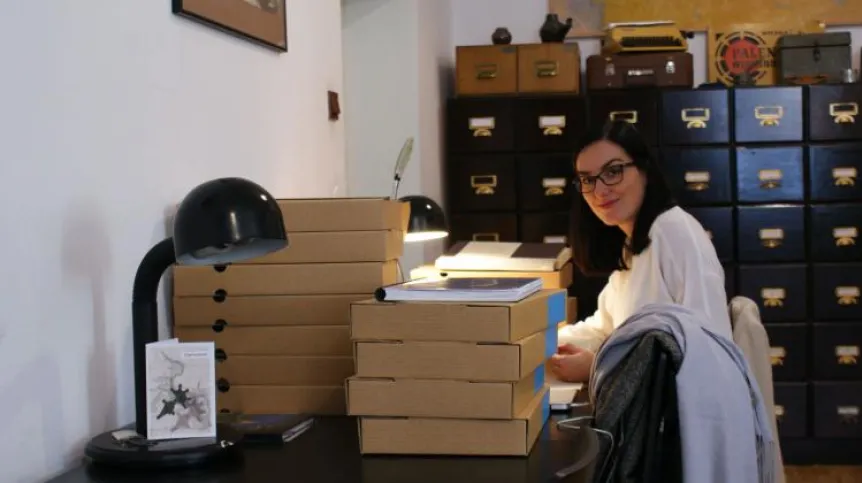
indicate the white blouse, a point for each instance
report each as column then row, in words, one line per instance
column 679, row 266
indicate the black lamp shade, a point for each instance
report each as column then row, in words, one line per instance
column 427, row 221
column 227, row 220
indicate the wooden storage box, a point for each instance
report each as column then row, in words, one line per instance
column 549, row 68
column 486, row 69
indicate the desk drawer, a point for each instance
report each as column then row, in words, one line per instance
column 834, row 233
column 788, row 351
column 768, row 114
column 836, row 291
column 833, row 112
column 791, row 409
column 769, row 175
column 544, row 227
column 483, row 227
column 545, row 182
column 781, row 291
column 699, row 176
column 482, row 183
column 481, row 125
column 836, row 351
column 837, row 407
column 699, row 116
column 637, row 106
column 772, row 233
column 549, row 123
column 834, row 172
column 718, row 223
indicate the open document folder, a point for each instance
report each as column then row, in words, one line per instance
column 562, row 393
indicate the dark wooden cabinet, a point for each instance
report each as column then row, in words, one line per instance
column 772, row 174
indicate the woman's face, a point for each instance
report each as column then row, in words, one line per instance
column 611, row 184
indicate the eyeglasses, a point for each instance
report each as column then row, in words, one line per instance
column 610, row 176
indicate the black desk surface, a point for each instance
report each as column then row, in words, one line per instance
column 329, row 453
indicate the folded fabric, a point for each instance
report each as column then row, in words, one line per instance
column 725, row 433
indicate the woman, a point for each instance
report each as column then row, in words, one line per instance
column 625, row 222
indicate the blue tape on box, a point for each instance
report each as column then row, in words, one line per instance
column 556, row 309
column 539, row 379
column 550, row 342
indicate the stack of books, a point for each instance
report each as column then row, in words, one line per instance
column 439, row 373
column 280, row 323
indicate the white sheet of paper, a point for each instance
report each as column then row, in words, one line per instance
column 562, row 392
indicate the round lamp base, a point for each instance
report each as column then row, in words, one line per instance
column 126, row 449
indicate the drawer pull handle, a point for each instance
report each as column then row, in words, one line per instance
column 770, row 178
column 845, row 236
column 771, row 237
column 695, row 117
column 697, row 180
column 843, row 112
column 546, row 68
column 769, row 116
column 494, row 237
column 482, row 126
column 554, row 186
column 845, row 176
column 777, row 355
column 554, row 239
column 630, row 117
column 486, row 71
column 552, row 125
column 484, row 184
column 847, row 355
column 779, row 413
column 847, row 295
column 773, row 296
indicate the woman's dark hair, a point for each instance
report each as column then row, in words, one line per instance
column 597, row 249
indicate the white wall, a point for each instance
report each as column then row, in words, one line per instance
column 109, row 113
column 395, row 88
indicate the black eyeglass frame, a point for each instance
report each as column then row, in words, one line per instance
column 579, row 186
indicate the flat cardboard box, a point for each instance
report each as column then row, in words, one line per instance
column 312, row 340
column 277, row 370
column 562, row 278
column 289, row 279
column 460, row 361
column 442, row 398
column 265, row 310
column 344, row 214
column 453, row 322
column 318, row 400
column 456, row 437
column 337, row 247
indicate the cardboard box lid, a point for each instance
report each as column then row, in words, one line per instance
column 438, row 436
column 463, row 361
column 337, row 247
column 442, row 398
column 464, row 322
column 344, row 214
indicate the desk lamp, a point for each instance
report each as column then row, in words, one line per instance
column 427, row 221
column 219, row 222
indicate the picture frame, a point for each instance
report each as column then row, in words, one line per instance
column 263, row 22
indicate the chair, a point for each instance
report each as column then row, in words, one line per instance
column 751, row 337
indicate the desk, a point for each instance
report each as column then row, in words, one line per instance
column 329, row 453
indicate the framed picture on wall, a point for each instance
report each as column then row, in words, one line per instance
column 260, row 21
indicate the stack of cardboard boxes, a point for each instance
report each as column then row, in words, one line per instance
column 281, row 322
column 453, row 378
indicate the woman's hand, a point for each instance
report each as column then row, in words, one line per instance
column 572, row 364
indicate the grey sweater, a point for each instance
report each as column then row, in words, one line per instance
column 725, row 432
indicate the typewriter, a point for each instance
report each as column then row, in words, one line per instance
column 643, row 37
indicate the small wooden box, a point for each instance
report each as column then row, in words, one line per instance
column 549, row 68
column 486, row 69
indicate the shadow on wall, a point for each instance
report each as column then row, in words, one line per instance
column 86, row 262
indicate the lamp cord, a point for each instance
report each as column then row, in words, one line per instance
column 400, row 270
